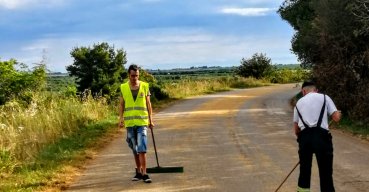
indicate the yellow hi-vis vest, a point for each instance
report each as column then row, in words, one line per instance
column 135, row 112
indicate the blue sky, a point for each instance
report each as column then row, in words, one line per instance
column 156, row 34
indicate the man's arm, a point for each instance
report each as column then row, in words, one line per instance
column 336, row 116
column 149, row 110
column 332, row 110
column 296, row 128
column 121, row 111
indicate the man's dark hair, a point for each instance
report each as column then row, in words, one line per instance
column 133, row 67
column 308, row 83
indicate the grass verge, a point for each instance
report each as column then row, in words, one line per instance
column 187, row 87
column 357, row 129
column 53, row 168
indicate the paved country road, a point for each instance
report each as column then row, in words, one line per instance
column 240, row 140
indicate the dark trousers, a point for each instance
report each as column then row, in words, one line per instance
column 316, row 141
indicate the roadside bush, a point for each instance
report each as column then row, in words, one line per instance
column 17, row 81
column 241, row 82
column 69, row 91
column 288, row 75
column 157, row 93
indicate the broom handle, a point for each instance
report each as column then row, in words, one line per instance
column 287, row 177
column 153, row 140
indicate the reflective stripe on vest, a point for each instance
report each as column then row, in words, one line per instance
column 135, row 117
column 135, row 112
column 135, row 108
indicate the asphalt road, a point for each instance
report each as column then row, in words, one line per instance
column 240, row 140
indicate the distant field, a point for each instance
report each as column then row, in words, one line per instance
column 60, row 81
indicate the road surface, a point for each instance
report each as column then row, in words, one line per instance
column 240, row 140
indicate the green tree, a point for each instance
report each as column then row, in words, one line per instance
column 331, row 37
column 300, row 14
column 257, row 66
column 99, row 69
column 360, row 8
column 17, row 81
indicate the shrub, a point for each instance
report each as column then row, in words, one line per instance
column 17, row 81
column 258, row 66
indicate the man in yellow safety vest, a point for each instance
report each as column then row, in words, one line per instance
column 135, row 114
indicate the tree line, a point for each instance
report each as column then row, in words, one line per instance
column 332, row 39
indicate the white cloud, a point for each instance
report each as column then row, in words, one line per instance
column 164, row 48
column 16, row 4
column 10, row 4
column 56, row 49
column 172, row 49
column 247, row 11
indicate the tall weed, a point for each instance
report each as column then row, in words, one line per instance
column 187, row 87
column 24, row 131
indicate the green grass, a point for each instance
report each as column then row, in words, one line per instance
column 50, row 168
column 37, row 140
column 187, row 87
column 358, row 129
column 25, row 130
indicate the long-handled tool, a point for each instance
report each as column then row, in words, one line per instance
column 160, row 169
column 287, row 177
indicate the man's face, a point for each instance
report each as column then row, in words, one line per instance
column 134, row 75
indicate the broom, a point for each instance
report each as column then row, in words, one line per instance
column 158, row 168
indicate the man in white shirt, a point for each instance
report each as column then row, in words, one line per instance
column 311, row 128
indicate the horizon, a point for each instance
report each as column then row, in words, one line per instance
column 192, row 67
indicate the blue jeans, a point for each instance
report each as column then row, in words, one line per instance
column 137, row 139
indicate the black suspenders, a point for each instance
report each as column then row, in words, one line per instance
column 320, row 116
